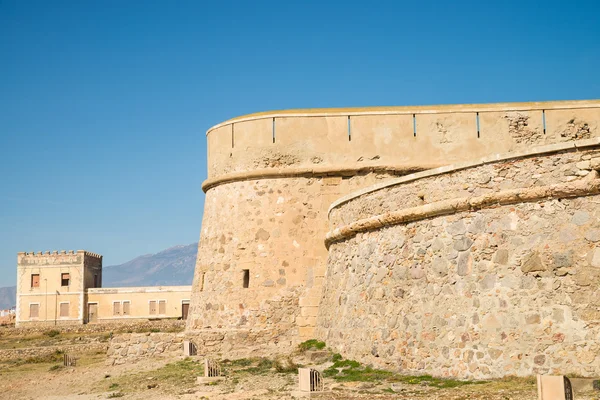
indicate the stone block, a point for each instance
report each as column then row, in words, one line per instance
column 309, row 301
column 309, row 311
column 306, row 332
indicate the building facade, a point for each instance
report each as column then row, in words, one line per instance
column 57, row 288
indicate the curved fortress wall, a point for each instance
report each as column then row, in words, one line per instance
column 481, row 271
column 272, row 177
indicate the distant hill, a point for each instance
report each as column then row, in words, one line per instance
column 8, row 297
column 173, row 266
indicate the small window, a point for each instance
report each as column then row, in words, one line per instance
column 95, row 280
column 34, row 311
column 202, row 282
column 65, row 279
column 246, row 278
column 152, row 307
column 116, row 308
column 162, row 307
column 35, row 280
column 64, row 309
column 126, row 307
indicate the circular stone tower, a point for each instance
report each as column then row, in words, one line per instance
column 272, row 177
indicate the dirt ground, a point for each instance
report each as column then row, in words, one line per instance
column 154, row 379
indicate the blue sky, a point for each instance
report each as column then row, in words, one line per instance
column 104, row 105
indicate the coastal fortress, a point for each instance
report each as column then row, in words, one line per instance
column 459, row 240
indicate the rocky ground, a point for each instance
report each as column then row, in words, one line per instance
column 257, row 378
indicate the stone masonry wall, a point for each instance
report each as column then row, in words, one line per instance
column 219, row 343
column 274, row 229
column 536, row 170
column 28, row 352
column 93, row 328
column 502, row 290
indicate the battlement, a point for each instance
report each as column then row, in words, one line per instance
column 280, row 143
column 57, row 252
column 54, row 257
column 90, row 254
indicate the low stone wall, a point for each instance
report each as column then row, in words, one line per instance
column 94, row 328
column 232, row 344
column 130, row 347
column 28, row 352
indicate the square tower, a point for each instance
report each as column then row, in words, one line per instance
column 51, row 286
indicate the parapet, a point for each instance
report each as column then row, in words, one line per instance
column 54, row 257
column 323, row 141
column 90, row 254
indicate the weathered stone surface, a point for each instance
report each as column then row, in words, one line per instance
column 440, row 266
column 593, row 235
column 532, row 263
column 457, row 228
column 463, row 243
column 581, row 218
column 465, row 264
column 596, row 258
column 501, row 256
column 522, row 288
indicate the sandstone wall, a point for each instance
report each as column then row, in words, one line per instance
column 474, row 272
column 399, row 136
column 272, row 177
column 273, row 228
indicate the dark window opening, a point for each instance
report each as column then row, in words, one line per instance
column 35, row 280
column 246, row 278
column 95, row 281
column 65, row 279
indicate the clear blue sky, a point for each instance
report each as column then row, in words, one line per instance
column 104, row 105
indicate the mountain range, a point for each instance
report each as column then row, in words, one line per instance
column 173, row 266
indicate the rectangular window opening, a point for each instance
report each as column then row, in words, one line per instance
column 273, row 130
column 126, row 306
column 202, row 281
column 246, row 283
column 65, row 279
column 34, row 311
column 349, row 130
column 95, row 280
column 64, row 309
column 152, row 306
column 414, row 125
column 232, row 137
column 544, row 120
column 162, row 307
column 35, row 280
column 116, row 308
column 477, row 116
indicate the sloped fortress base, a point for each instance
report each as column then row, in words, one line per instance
column 484, row 270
